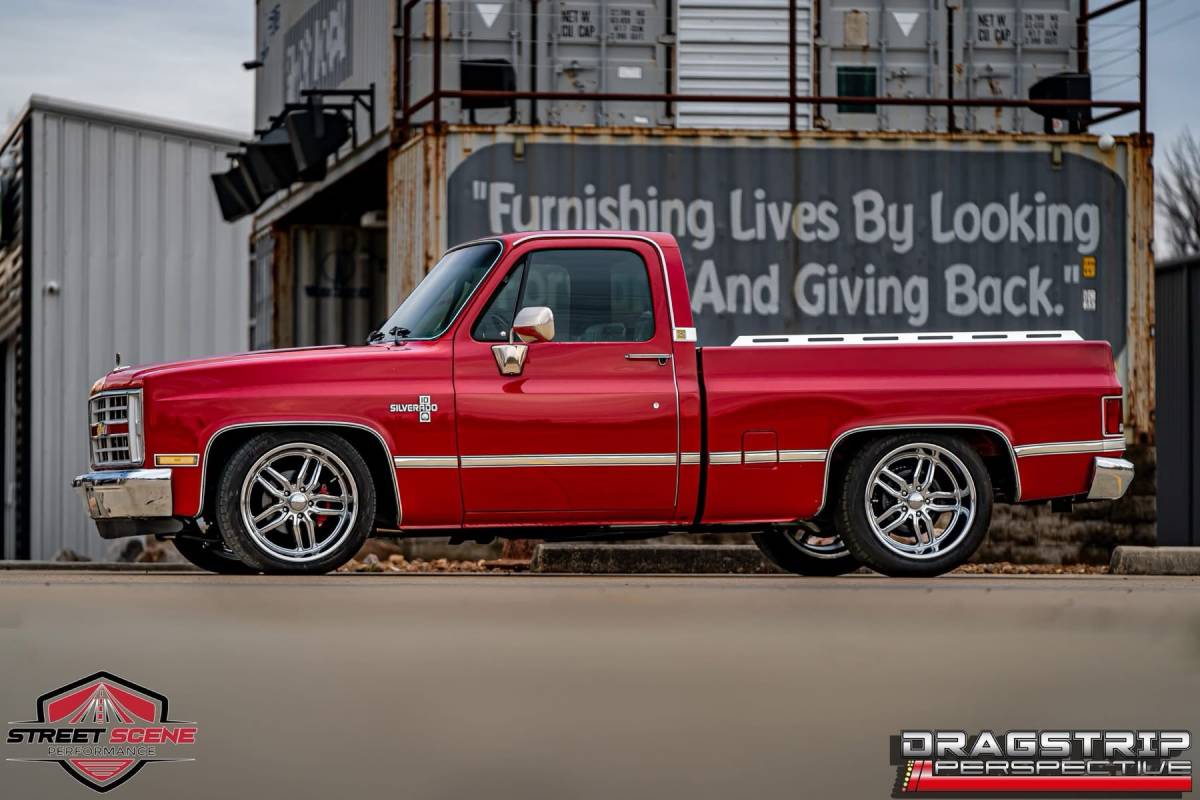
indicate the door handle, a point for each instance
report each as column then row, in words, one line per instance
column 661, row 358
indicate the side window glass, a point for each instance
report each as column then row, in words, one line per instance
column 596, row 295
column 496, row 320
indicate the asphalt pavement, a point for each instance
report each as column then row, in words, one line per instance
column 508, row 686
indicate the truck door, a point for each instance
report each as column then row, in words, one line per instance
column 588, row 429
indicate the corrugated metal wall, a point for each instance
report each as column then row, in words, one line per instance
column 1177, row 345
column 129, row 254
column 741, row 49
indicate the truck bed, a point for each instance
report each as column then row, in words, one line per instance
column 780, row 407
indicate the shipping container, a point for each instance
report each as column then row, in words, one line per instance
column 119, row 248
column 701, row 47
column 822, row 233
column 925, row 48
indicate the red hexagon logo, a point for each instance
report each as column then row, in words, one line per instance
column 102, row 729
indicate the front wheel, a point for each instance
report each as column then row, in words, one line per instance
column 296, row 502
column 915, row 505
column 806, row 550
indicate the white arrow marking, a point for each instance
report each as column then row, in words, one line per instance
column 906, row 20
column 489, row 12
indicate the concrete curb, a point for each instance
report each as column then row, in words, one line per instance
column 647, row 559
column 1128, row 560
column 97, row 566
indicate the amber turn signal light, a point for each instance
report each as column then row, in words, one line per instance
column 177, row 460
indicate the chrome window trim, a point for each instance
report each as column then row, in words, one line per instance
column 662, row 262
column 306, row 423
column 134, row 416
column 939, row 426
column 1110, row 445
column 483, row 279
column 524, row 261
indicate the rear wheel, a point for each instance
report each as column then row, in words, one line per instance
column 806, row 550
column 914, row 504
column 298, row 502
column 211, row 555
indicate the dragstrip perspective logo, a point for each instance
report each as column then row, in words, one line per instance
column 1062, row 762
column 102, row 730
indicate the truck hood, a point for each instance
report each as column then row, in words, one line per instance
column 126, row 377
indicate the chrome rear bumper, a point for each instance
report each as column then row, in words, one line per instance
column 126, row 494
column 1110, row 478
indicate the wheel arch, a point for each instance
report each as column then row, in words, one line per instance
column 369, row 442
column 992, row 444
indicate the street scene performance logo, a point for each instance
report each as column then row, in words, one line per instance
column 1080, row 762
column 101, row 729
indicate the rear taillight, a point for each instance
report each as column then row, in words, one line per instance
column 1114, row 416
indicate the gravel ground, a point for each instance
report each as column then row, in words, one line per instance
column 399, row 564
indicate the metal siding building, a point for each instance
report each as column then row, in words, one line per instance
column 1177, row 342
column 125, row 251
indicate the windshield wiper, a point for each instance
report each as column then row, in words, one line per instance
column 399, row 332
column 374, row 336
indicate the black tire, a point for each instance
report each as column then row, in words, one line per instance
column 790, row 551
column 333, row 542
column 211, row 555
column 957, row 471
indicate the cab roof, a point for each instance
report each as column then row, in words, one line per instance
column 510, row 239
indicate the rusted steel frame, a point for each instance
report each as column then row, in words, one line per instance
column 792, row 65
column 406, row 110
column 658, row 97
column 1086, row 15
column 1081, row 38
column 1120, row 112
column 1140, row 400
column 437, row 61
column 1142, row 69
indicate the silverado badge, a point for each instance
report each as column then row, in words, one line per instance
column 423, row 408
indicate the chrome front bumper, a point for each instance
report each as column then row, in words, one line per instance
column 1110, row 478
column 126, row 494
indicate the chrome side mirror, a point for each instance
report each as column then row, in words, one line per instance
column 510, row 358
column 534, row 324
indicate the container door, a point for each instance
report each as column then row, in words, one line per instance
column 588, row 431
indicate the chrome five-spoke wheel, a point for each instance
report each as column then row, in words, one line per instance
column 921, row 500
column 298, row 501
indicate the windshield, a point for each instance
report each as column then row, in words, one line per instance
column 432, row 306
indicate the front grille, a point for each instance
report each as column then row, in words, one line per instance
column 115, row 429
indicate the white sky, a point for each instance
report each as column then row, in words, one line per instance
column 182, row 59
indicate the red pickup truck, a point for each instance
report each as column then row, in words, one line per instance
column 550, row 385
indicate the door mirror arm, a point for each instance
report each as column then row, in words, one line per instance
column 510, row 358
